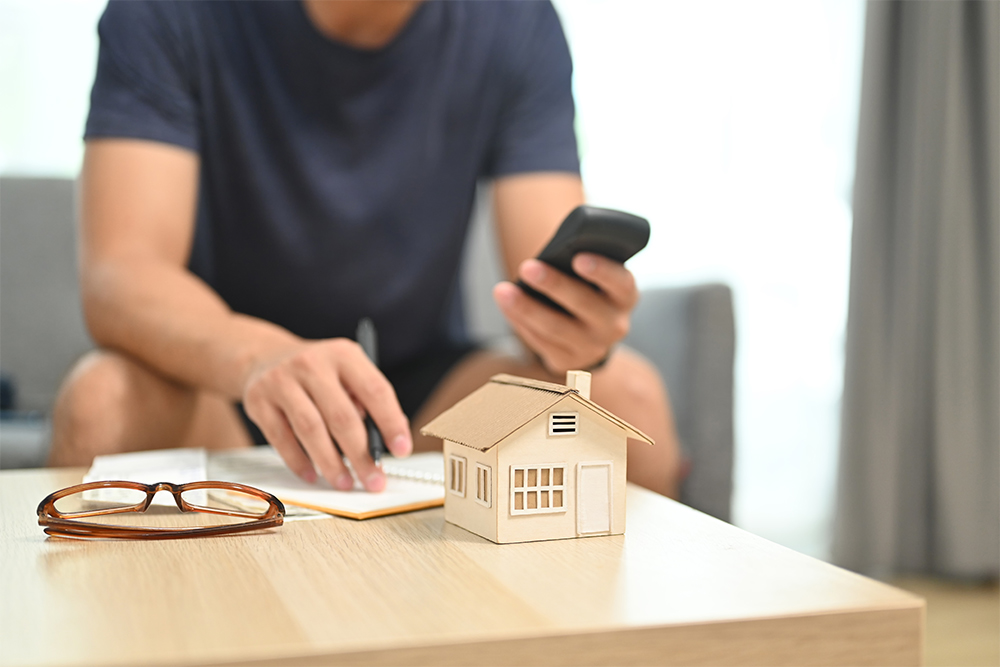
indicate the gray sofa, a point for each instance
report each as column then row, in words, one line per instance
column 688, row 332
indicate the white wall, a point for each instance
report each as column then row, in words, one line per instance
column 48, row 53
column 731, row 126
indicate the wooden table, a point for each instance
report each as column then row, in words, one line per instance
column 678, row 588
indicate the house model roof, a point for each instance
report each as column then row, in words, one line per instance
column 505, row 404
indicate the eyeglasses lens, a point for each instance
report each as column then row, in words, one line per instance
column 226, row 500
column 100, row 500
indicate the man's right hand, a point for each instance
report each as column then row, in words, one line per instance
column 312, row 400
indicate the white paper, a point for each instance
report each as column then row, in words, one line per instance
column 177, row 466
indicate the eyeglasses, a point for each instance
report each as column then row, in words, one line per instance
column 60, row 512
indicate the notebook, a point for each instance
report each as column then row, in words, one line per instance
column 413, row 483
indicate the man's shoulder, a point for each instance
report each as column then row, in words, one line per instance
column 154, row 15
column 510, row 13
column 516, row 34
column 512, row 19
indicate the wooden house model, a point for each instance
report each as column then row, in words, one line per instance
column 527, row 460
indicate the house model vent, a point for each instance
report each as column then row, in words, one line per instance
column 563, row 423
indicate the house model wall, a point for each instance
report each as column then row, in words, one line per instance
column 527, row 460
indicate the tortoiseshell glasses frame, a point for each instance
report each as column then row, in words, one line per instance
column 67, row 524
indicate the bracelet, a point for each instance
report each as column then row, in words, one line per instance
column 596, row 366
column 599, row 364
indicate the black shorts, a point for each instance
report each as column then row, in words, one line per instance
column 413, row 381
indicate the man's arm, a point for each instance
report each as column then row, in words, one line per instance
column 529, row 209
column 138, row 214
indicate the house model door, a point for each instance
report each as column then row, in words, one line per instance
column 593, row 498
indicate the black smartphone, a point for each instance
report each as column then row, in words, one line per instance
column 603, row 231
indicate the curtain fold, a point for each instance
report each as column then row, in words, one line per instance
column 919, row 484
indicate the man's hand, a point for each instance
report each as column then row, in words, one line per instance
column 311, row 400
column 529, row 208
column 598, row 320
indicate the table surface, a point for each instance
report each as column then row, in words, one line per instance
column 678, row 588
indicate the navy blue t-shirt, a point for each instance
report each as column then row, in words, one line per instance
column 335, row 182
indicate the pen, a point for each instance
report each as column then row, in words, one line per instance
column 368, row 340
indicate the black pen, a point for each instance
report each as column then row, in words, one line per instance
column 368, row 340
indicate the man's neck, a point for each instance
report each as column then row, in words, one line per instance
column 363, row 24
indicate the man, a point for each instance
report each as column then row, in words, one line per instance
column 259, row 176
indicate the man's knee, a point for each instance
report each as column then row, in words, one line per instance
column 96, row 401
column 93, row 387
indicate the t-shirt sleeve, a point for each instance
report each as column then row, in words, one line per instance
column 535, row 128
column 145, row 83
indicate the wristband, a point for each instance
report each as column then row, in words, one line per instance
column 599, row 364
column 596, row 366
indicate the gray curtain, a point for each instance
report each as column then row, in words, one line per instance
column 919, row 487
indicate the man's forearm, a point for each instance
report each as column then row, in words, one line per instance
column 170, row 320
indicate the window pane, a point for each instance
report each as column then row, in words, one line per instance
column 532, row 500
column 545, row 498
column 519, row 478
column 545, row 476
column 532, row 477
column 557, row 476
column 519, row 501
column 456, row 468
column 557, row 499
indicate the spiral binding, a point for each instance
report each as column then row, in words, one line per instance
column 410, row 473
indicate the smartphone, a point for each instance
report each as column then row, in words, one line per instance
column 603, row 231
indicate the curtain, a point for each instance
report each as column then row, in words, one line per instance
column 919, row 479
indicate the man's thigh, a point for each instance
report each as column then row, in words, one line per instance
column 470, row 373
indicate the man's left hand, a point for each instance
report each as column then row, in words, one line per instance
column 596, row 322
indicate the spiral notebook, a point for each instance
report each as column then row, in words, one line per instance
column 413, row 483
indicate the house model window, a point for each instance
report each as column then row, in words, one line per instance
column 484, row 490
column 456, row 475
column 563, row 423
column 537, row 489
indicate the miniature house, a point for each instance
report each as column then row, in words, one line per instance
column 528, row 460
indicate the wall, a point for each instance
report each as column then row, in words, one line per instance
column 466, row 512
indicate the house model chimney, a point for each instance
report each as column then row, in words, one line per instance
column 579, row 380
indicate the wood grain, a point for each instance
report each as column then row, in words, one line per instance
column 678, row 588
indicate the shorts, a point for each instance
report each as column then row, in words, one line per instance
column 414, row 381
